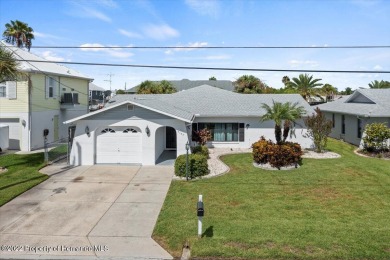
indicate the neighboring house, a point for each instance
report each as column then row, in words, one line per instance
column 186, row 84
column 47, row 95
column 350, row 114
column 139, row 128
column 96, row 97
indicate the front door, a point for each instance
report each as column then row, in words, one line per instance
column 170, row 138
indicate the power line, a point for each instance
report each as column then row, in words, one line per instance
column 209, row 68
column 216, row 47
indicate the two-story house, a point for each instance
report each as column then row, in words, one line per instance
column 46, row 95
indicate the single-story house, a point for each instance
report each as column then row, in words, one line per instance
column 186, row 84
column 350, row 114
column 137, row 129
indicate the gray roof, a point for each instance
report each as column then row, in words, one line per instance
column 95, row 87
column 186, row 84
column 40, row 66
column 205, row 101
column 363, row 102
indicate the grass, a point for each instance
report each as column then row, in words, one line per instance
column 327, row 209
column 23, row 172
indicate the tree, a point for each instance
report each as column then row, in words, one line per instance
column 379, row 84
column 249, row 84
column 150, row 87
column 329, row 91
column 120, row 92
column 282, row 113
column 376, row 137
column 212, row 78
column 202, row 136
column 318, row 129
column 8, row 65
column 305, row 85
column 285, row 80
column 347, row 91
column 18, row 33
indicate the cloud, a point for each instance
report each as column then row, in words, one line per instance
column 49, row 55
column 189, row 47
column 84, row 11
column 113, row 52
column 46, row 36
column 129, row 34
column 108, row 3
column 296, row 63
column 377, row 67
column 205, row 7
column 160, row 32
column 218, row 57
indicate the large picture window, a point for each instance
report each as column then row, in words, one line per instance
column 222, row 132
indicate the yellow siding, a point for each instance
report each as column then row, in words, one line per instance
column 80, row 86
column 41, row 103
column 20, row 104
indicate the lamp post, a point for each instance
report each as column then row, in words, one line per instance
column 187, row 148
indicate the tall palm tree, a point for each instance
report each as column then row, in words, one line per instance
column 285, row 80
column 379, row 84
column 282, row 113
column 8, row 65
column 305, row 85
column 329, row 91
column 18, row 33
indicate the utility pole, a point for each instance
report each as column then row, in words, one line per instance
column 110, row 75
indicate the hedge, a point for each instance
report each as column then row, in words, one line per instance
column 200, row 149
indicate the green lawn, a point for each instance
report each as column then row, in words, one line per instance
column 23, row 173
column 327, row 209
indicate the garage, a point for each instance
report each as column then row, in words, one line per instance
column 15, row 138
column 119, row 146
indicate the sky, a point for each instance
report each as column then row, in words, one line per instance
column 210, row 23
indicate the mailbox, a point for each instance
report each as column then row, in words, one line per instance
column 200, row 209
column 45, row 132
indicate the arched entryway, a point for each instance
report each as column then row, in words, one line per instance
column 165, row 145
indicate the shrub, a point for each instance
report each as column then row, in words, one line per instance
column 376, row 137
column 202, row 136
column 197, row 166
column 265, row 151
column 318, row 129
column 200, row 149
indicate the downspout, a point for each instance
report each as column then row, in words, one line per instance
column 29, row 112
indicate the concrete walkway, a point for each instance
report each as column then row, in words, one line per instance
column 87, row 212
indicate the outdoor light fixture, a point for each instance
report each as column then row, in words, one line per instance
column 247, row 126
column 87, row 130
column 147, row 130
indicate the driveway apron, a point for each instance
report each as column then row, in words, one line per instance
column 99, row 211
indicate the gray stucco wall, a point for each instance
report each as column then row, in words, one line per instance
column 351, row 126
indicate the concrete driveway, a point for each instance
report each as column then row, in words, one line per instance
column 87, row 212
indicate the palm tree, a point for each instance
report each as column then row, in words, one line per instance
column 166, row 87
column 18, row 33
column 285, row 80
column 305, row 85
column 151, row 87
column 379, row 84
column 8, row 65
column 329, row 91
column 282, row 113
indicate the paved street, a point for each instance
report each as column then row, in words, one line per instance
column 111, row 208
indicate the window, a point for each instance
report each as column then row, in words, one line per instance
column 131, row 130
column 52, row 85
column 3, row 90
column 343, row 124
column 108, row 130
column 222, row 132
column 8, row 89
column 130, row 107
column 333, row 121
column 359, row 128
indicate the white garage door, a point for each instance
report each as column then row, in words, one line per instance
column 119, row 146
column 15, row 137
